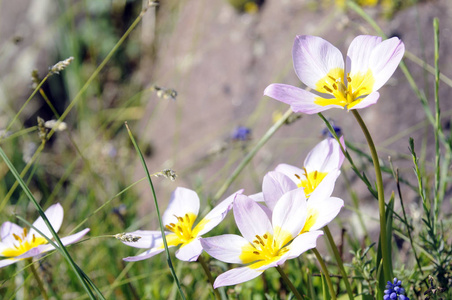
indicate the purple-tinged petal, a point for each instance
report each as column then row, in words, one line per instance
column 48, row 247
column 313, row 58
column 289, row 216
column 7, row 262
column 384, row 60
column 250, row 218
column 276, row 184
column 369, row 100
column 7, row 231
column 226, row 247
column 325, row 187
column 303, row 242
column 294, row 173
column 267, row 210
column 236, row 276
column 145, row 255
column 182, row 201
column 324, row 157
column 216, row 215
column 325, row 211
column 359, row 51
column 190, row 251
column 55, row 216
column 259, row 197
column 298, row 99
column 147, row 239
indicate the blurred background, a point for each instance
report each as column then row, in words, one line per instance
column 189, row 80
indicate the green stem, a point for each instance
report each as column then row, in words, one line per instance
column 38, row 280
column 339, row 261
column 289, row 283
column 386, row 251
column 209, row 276
column 162, row 230
column 325, row 273
column 437, row 200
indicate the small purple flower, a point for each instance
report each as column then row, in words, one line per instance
column 394, row 290
column 241, row 133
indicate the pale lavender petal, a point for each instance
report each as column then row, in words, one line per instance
column 327, row 210
column 217, row 214
column 324, row 157
column 384, row 60
column 145, row 255
column 276, row 184
column 369, row 100
column 325, row 187
column 250, row 218
column 267, row 210
column 48, row 247
column 226, row 247
column 147, row 239
column 55, row 215
column 7, row 262
column 290, row 214
column 294, row 173
column 359, row 51
column 298, row 99
column 341, row 155
column 190, row 251
column 7, row 231
column 313, row 58
column 236, row 276
column 303, row 242
column 182, row 201
column 259, row 197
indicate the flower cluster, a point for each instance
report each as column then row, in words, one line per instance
column 278, row 224
column 394, row 290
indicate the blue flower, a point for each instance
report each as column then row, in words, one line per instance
column 327, row 133
column 241, row 133
column 394, row 290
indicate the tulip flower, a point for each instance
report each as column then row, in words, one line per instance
column 319, row 65
column 179, row 219
column 268, row 241
column 19, row 243
column 325, row 158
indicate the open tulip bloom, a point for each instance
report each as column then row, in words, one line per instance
column 268, row 241
column 319, row 65
column 321, row 207
column 326, row 157
column 18, row 243
column 179, row 219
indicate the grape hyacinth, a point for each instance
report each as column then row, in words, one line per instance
column 394, row 290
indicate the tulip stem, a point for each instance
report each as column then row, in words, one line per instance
column 38, row 280
column 325, row 273
column 289, row 283
column 386, row 251
column 209, row 276
column 339, row 261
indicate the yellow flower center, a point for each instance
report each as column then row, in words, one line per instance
column 310, row 220
column 311, row 181
column 183, row 231
column 348, row 93
column 22, row 244
column 266, row 248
